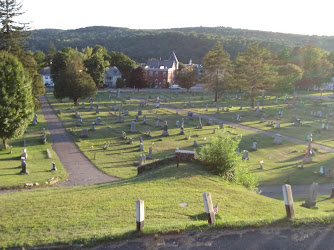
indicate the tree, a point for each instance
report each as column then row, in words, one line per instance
column 51, row 54
column 288, row 75
column 315, row 63
column 186, row 78
column 137, row 78
column 60, row 62
column 16, row 105
column 255, row 72
column 96, row 64
column 39, row 57
column 73, row 82
column 124, row 63
column 13, row 35
column 218, row 70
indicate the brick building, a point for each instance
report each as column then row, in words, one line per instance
column 160, row 73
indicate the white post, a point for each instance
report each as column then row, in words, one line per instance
column 140, row 215
column 209, row 208
column 288, row 200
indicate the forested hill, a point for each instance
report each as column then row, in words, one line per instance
column 188, row 43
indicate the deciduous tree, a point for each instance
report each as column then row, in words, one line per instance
column 124, row 63
column 16, row 102
column 137, row 78
column 186, row 78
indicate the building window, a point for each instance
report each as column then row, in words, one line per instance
column 151, row 73
column 164, row 74
column 156, row 73
column 164, row 81
column 156, row 81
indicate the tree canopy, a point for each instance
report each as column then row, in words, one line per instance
column 16, row 105
column 137, row 78
column 124, row 63
column 218, row 69
column 186, row 78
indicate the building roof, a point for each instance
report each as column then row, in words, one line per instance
column 45, row 72
column 165, row 63
column 113, row 71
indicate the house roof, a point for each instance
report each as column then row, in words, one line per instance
column 45, row 72
column 113, row 71
column 165, row 63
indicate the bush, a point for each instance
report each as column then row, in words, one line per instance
column 221, row 158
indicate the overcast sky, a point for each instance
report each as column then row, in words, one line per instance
column 288, row 16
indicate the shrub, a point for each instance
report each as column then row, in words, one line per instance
column 221, row 158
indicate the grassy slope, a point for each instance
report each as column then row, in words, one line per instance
column 38, row 164
column 107, row 211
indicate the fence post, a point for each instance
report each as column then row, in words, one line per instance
column 140, row 215
column 209, row 208
column 288, row 200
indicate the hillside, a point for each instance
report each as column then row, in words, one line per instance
column 188, row 43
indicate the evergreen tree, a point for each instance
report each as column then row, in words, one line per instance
column 255, row 72
column 51, row 54
column 96, row 64
column 218, row 70
column 16, row 105
column 13, row 35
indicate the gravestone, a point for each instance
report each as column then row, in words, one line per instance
column 278, row 139
column 97, row 109
column 82, row 105
column 84, row 133
column 119, row 119
column 199, row 126
column 221, row 125
column 98, row 121
column 158, row 123
column 240, row 108
column 144, row 120
column 91, row 106
column 245, row 155
column 150, row 153
column 34, row 121
column 123, row 135
column 254, row 146
column 278, row 125
column 182, row 128
column 141, row 146
column 190, row 115
column 195, row 143
column 92, row 127
column 165, row 129
column 126, row 112
column 140, row 112
column 140, row 161
column 24, row 169
column 311, row 200
column 137, row 118
column 262, row 120
column 157, row 105
column 297, row 122
column 24, row 153
column 133, row 127
column 130, row 140
column 53, row 168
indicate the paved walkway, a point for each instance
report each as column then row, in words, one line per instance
column 270, row 191
column 81, row 171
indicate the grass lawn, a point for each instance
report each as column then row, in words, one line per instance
column 38, row 164
column 99, row 212
column 120, row 158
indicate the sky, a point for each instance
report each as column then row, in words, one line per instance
column 309, row 17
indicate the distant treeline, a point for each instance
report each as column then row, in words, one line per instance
column 187, row 43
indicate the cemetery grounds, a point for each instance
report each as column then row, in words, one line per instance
column 91, row 214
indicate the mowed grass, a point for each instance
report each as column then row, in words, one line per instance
column 121, row 158
column 101, row 212
column 38, row 163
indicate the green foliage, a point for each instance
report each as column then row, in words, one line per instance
column 120, row 83
column 124, row 63
column 96, row 64
column 16, row 102
column 218, row 70
column 186, row 78
column 255, row 72
column 39, row 57
column 288, row 75
column 220, row 157
column 73, row 82
column 12, row 34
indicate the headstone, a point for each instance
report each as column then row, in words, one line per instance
column 190, row 115
column 98, row 121
column 278, row 125
column 245, row 155
column 140, row 161
column 144, row 120
column 221, row 125
column 84, row 133
column 195, row 143
column 297, row 122
column 157, row 105
column 199, row 126
column 82, row 105
column 34, row 121
column 123, row 135
column 150, row 153
column 137, row 118
column 311, row 199
column 130, row 140
column 158, row 123
column 119, row 119
column 23, row 167
column 24, row 153
column 240, row 108
column 254, row 146
column 262, row 120
column 165, row 129
column 278, row 139
column 140, row 112
column 182, row 128
column 53, row 168
column 133, row 127
column 126, row 112
column 91, row 106
column 97, row 109
column 141, row 146
column 92, row 127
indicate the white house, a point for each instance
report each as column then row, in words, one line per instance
column 111, row 76
column 46, row 74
